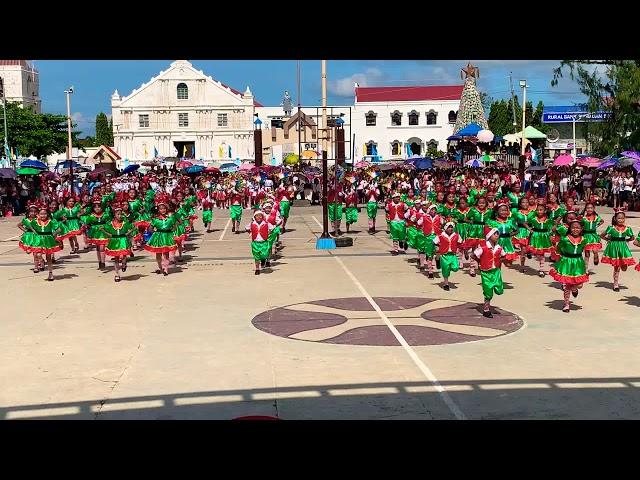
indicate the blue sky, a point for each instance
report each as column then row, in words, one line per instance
column 95, row 80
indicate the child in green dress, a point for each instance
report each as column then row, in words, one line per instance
column 617, row 253
column 119, row 232
column 570, row 270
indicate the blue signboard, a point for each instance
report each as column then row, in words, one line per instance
column 566, row 114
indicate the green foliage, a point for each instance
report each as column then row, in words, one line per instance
column 104, row 132
column 38, row 134
column 613, row 87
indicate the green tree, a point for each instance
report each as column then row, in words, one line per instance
column 103, row 132
column 614, row 87
column 536, row 121
column 111, row 132
column 38, row 134
column 500, row 118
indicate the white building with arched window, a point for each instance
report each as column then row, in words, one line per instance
column 398, row 122
column 182, row 112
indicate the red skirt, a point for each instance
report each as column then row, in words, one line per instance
column 618, row 262
column 541, row 251
column 118, row 253
column 72, row 233
column 98, row 241
column 169, row 249
column 593, row 247
column 580, row 279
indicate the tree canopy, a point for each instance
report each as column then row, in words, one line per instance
column 612, row 86
column 38, row 134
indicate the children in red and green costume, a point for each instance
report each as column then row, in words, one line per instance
column 351, row 201
column 259, row 229
column 95, row 233
column 570, row 270
column 540, row 239
column 477, row 218
column 617, row 253
column 372, row 193
column 397, row 229
column 411, row 219
column 590, row 223
column 119, row 231
column 489, row 255
column 29, row 238
column 507, row 229
column 70, row 218
column 45, row 231
column 521, row 239
column 162, row 241
column 431, row 226
column 459, row 216
column 447, row 243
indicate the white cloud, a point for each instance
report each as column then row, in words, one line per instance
column 344, row 87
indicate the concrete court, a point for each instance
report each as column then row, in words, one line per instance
column 185, row 346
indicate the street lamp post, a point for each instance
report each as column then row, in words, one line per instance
column 69, row 145
column 4, row 111
column 573, row 121
column 523, row 85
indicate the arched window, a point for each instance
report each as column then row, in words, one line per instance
column 431, row 117
column 413, row 117
column 453, row 116
column 183, row 91
column 432, row 145
column 370, row 118
column 396, row 118
column 371, row 148
column 396, row 148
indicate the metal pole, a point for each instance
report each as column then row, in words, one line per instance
column 524, row 111
column 4, row 111
column 513, row 105
column 574, row 137
column 299, row 117
column 325, row 213
column 69, row 146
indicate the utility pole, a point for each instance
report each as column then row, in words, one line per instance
column 299, row 115
column 69, row 145
column 513, row 104
column 523, row 84
column 325, row 242
column 4, row 111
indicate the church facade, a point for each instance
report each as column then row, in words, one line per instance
column 182, row 112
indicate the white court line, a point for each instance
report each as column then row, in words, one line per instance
column 316, row 220
column 225, row 229
column 419, row 363
column 15, row 236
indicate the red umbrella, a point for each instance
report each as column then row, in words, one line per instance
column 245, row 167
column 149, row 164
column 183, row 164
column 563, row 160
column 212, row 170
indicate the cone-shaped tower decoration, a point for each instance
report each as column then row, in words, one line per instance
column 470, row 110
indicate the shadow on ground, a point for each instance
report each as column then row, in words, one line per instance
column 585, row 398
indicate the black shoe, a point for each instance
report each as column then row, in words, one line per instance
column 487, row 314
column 565, row 309
column 574, row 293
column 124, row 269
column 596, row 262
column 430, row 275
column 257, row 272
column 394, row 253
column 262, row 262
column 446, row 288
column 616, row 289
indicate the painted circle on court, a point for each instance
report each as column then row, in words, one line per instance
column 353, row 321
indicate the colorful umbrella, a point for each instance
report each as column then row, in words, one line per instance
column 184, row 164
column 28, row 171
column 631, row 154
column 33, row 164
column 245, row 167
column 194, row 169
column 291, row 159
column 228, row 167
column 7, row 173
column 487, row 158
column 563, row 160
column 607, row 164
column 212, row 170
column 362, row 164
column 590, row 162
column 475, row 163
column 625, row 162
column 131, row 168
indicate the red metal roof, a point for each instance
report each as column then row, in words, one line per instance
column 408, row 93
column 255, row 102
column 21, row 63
column 117, row 157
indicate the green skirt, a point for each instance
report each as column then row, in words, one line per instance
column 70, row 228
column 207, row 216
column 118, row 247
column 449, row 263
column 161, row 242
column 397, row 231
column 475, row 232
column 491, row 282
column 180, row 232
column 46, row 243
column 351, row 215
column 285, row 206
column 96, row 236
column 28, row 241
column 412, row 234
column 594, row 242
column 569, row 271
column 335, row 211
column 462, row 229
column 236, row 212
column 428, row 247
column 420, row 241
column 507, row 246
column 372, row 209
column 617, row 253
column 260, row 250
column 540, row 243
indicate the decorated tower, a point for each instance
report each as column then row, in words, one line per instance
column 470, row 110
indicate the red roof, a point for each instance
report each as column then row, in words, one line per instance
column 21, row 63
column 408, row 93
column 255, row 102
column 107, row 147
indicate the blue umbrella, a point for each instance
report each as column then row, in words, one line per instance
column 228, row 167
column 421, row 163
column 66, row 164
column 131, row 168
column 454, row 137
column 194, row 169
column 33, row 164
column 470, row 130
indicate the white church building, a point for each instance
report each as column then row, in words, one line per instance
column 182, row 112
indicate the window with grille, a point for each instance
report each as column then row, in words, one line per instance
column 431, row 117
column 396, row 148
column 396, row 119
column 371, row 148
column 453, row 116
column 413, row 117
column 370, row 119
column 223, row 120
column 183, row 91
column 183, row 119
column 143, row 121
